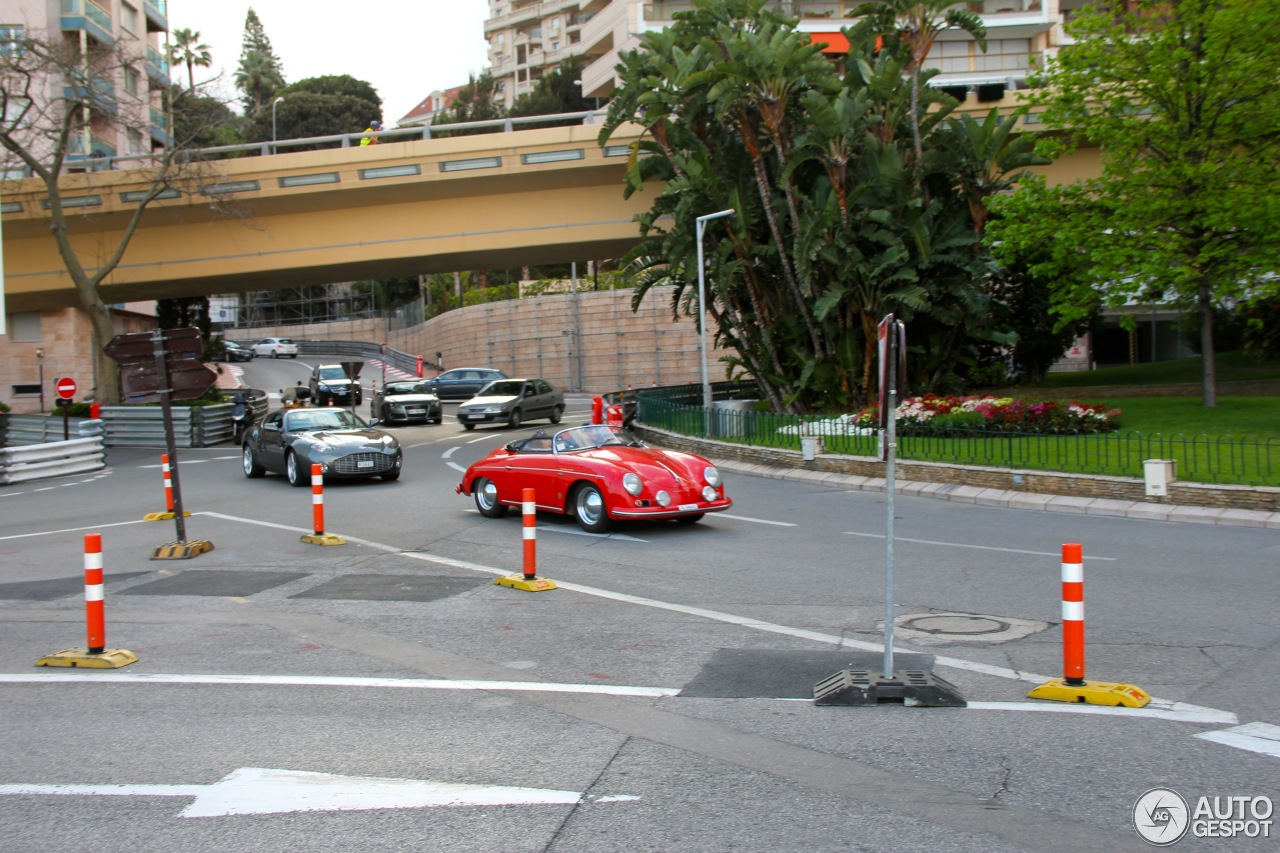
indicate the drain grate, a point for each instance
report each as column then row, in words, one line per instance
column 948, row 627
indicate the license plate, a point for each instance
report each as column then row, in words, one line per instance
column 365, row 463
column 416, row 411
column 686, row 507
column 472, row 417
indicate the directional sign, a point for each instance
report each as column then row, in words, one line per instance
column 141, row 346
column 66, row 387
column 187, row 379
column 259, row 790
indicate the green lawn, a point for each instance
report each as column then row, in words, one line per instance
column 1241, row 417
column 1231, row 367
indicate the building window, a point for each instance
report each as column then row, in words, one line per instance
column 554, row 25
column 12, row 37
column 17, row 112
column 131, row 81
column 555, row 45
column 24, row 326
column 129, row 18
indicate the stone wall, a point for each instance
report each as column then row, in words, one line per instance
column 1005, row 479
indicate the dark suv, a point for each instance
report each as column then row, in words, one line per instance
column 329, row 384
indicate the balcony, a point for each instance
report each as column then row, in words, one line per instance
column 100, row 94
column 156, row 12
column 159, row 128
column 88, row 16
column 98, row 148
column 157, row 69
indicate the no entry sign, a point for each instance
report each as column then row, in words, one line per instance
column 66, row 387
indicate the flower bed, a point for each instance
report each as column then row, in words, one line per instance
column 931, row 413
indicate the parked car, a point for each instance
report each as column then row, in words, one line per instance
column 461, row 383
column 408, row 402
column 598, row 474
column 276, row 347
column 330, row 384
column 289, row 441
column 232, row 351
column 512, row 401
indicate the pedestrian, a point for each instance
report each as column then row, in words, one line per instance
column 374, row 127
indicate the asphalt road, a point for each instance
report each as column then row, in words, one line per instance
column 385, row 694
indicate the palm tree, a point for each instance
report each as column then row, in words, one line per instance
column 914, row 25
column 189, row 50
column 258, row 77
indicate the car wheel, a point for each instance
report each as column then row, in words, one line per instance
column 589, row 509
column 690, row 519
column 514, row 420
column 556, row 413
column 391, row 476
column 275, row 354
column 252, row 469
column 295, row 355
column 439, row 419
column 485, row 492
column 385, row 417
column 294, row 472
column 468, row 426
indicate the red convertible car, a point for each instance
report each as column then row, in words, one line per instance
column 599, row 474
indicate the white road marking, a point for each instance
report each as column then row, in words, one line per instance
column 480, row 439
column 262, row 790
column 455, row 466
column 975, row 547
column 755, row 520
column 1262, row 738
column 448, row 453
column 1188, row 714
column 72, row 530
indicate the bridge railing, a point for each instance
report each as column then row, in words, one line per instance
column 341, row 140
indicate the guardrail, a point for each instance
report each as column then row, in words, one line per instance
column 17, row 430
column 53, row 459
column 143, row 426
column 408, row 362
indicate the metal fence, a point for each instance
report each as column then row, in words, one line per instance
column 51, row 459
column 1199, row 458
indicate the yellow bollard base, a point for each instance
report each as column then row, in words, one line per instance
column 518, row 582
column 1092, row 693
column 163, row 516
column 323, row 539
column 82, row 658
column 182, row 550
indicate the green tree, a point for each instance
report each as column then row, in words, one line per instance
column 259, row 73
column 204, row 122
column 836, row 220
column 476, row 101
column 318, row 106
column 560, row 91
column 1180, row 98
column 191, row 52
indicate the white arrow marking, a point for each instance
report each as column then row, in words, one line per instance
column 259, row 790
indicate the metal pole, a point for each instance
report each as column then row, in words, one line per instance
column 40, row 364
column 891, row 451
column 273, row 123
column 166, row 407
column 702, row 317
column 577, row 326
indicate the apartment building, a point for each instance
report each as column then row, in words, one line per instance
column 122, row 44
column 529, row 38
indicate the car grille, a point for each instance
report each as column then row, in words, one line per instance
column 350, row 464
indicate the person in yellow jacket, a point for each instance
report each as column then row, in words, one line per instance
column 374, row 126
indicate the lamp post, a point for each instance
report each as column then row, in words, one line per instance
column 702, row 315
column 274, row 104
column 40, row 364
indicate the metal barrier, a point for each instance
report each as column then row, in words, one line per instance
column 19, row 430
column 53, row 459
column 193, row 426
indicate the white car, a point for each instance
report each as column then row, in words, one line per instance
column 276, row 347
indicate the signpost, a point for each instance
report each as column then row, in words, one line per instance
column 66, row 388
column 164, row 365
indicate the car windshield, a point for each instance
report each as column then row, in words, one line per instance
column 331, row 372
column 502, row 388
column 286, row 341
column 304, row 420
column 591, row 437
column 406, row 388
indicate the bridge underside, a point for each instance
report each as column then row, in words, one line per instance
column 349, row 228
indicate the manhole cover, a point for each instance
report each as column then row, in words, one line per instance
column 949, row 627
column 956, row 625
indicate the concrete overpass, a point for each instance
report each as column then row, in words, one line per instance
column 314, row 217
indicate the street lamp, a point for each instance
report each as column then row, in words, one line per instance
column 40, row 363
column 274, row 104
column 702, row 314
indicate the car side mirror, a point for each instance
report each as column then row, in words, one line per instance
column 512, row 447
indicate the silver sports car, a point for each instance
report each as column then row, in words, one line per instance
column 289, row 441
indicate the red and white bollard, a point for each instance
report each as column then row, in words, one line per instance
column 1073, row 613
column 94, row 598
column 319, row 537
column 529, row 510
column 168, row 482
column 1072, row 687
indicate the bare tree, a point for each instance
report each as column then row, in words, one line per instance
column 62, row 102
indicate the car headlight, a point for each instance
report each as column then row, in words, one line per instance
column 632, row 484
column 663, row 499
column 709, row 493
column 711, row 475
